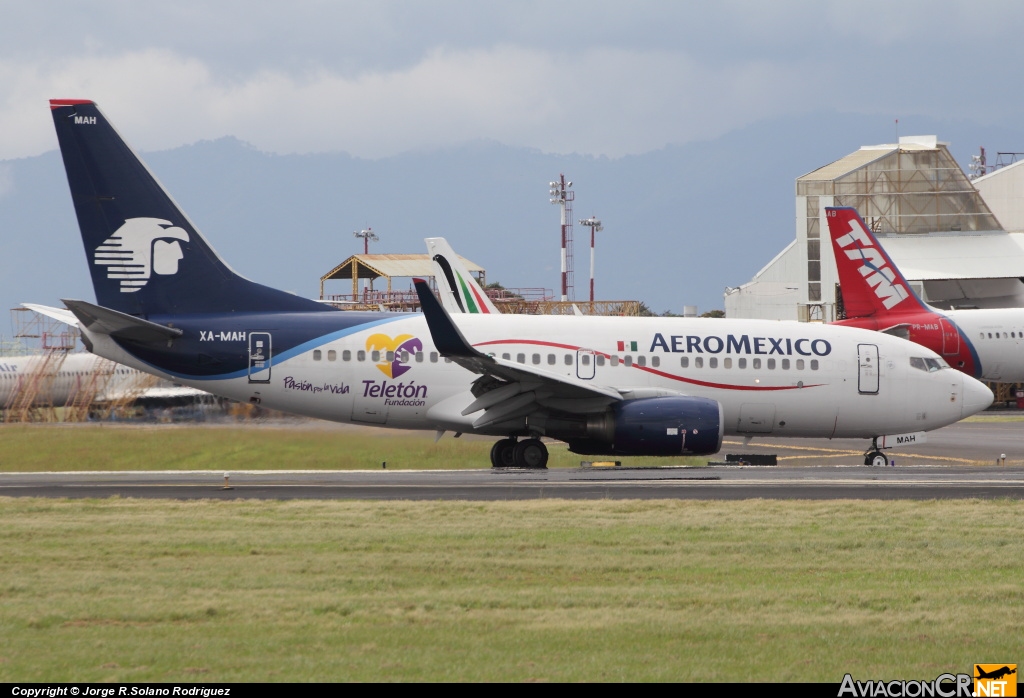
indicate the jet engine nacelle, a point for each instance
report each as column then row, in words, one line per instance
column 657, row 426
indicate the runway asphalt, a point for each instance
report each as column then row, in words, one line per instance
column 715, row 482
column 959, row 461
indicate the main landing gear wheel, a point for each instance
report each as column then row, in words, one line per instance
column 503, row 453
column 531, row 453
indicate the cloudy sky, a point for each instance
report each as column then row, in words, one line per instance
column 603, row 78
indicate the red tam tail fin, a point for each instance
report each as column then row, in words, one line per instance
column 872, row 285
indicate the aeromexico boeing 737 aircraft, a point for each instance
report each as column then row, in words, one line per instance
column 167, row 304
column 984, row 343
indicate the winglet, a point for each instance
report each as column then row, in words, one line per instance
column 446, row 336
column 872, row 285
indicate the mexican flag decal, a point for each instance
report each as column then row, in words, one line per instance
column 627, row 346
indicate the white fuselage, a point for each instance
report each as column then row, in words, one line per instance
column 997, row 335
column 59, row 381
column 781, row 378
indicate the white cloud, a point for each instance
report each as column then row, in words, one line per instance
column 600, row 101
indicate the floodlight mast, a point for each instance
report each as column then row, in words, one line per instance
column 595, row 227
column 367, row 235
column 562, row 194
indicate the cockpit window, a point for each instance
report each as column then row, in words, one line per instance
column 928, row 365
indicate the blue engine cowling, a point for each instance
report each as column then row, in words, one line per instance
column 656, row 426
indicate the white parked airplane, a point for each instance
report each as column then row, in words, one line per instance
column 167, row 304
column 985, row 343
column 74, row 375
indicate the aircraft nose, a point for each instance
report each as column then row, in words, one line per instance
column 977, row 396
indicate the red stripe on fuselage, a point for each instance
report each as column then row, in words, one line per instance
column 663, row 374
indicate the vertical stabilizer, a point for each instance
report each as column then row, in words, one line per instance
column 459, row 291
column 872, row 285
column 144, row 254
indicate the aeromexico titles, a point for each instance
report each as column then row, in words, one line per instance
column 984, row 343
column 167, row 304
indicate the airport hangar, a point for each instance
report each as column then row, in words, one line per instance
column 959, row 242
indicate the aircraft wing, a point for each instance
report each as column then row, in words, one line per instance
column 507, row 389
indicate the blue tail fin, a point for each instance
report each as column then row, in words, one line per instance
column 145, row 256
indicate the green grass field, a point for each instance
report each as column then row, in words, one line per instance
column 302, row 446
column 133, row 590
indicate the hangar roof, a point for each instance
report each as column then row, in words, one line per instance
column 938, row 256
column 372, row 266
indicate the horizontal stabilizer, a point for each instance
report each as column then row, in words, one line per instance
column 58, row 314
column 96, row 318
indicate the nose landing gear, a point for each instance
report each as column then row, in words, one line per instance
column 529, row 453
column 874, row 455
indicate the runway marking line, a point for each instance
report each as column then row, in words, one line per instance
column 838, row 453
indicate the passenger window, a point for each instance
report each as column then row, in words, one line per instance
column 521, row 358
column 698, row 362
column 641, row 361
column 742, row 363
column 629, row 360
column 713, row 362
column 419, row 357
column 316, row 355
column 506, row 356
column 332, row 355
column 375, row 356
column 615, row 360
column 346, row 355
column 585, row 359
column 536, row 359
column 389, row 356
column 551, row 359
column 405, row 357
column 599, row 359
column 771, row 364
column 568, row 359
column 726, row 363
column 814, row 364
column 684, row 361
column 799, row 364
column 433, row 357
column 785, row 364
column 756, row 363
column 655, row 361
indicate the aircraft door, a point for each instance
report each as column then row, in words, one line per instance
column 585, row 365
column 950, row 338
column 867, row 369
column 260, row 354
